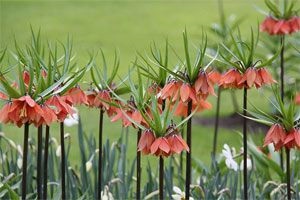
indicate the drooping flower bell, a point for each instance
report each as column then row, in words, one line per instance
column 214, row 76
column 77, row 96
column 145, row 142
column 170, row 90
column 231, row 79
column 176, row 142
column 102, row 100
column 200, row 105
column 129, row 112
column 292, row 139
column 160, row 147
column 61, row 108
column 275, row 135
column 204, row 85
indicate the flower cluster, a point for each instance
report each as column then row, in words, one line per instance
column 171, row 143
column 278, row 136
column 176, row 90
column 25, row 110
column 129, row 112
column 280, row 26
column 252, row 77
column 103, row 100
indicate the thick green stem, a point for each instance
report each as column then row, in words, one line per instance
column 24, row 163
column 63, row 161
column 161, row 178
column 138, row 168
column 46, row 162
column 217, row 117
column 100, row 153
column 245, row 154
column 39, row 163
column 188, row 154
column 288, row 174
column 282, row 86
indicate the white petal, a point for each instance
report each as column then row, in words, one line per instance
column 226, row 147
column 20, row 162
column 176, row 196
column 20, row 150
column 177, row 190
column 2, row 158
column 88, row 166
column 249, row 164
column 58, row 151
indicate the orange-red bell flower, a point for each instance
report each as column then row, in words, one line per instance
column 47, row 118
column 248, row 78
column 275, row 135
column 265, row 77
column 203, row 85
column 121, row 115
column 145, row 142
column 5, row 114
column 61, row 108
column 77, row 96
column 214, row 77
column 292, row 139
column 102, row 100
column 187, row 93
column 160, row 147
column 231, row 79
column 91, row 98
column 177, row 144
column 200, row 104
column 170, row 90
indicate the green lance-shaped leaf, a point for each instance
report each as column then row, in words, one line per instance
column 10, row 90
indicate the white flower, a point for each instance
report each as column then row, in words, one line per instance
column 249, row 164
column 72, row 120
column 88, row 166
column 106, row 195
column 179, row 195
column 58, row 151
column 230, row 162
column 20, row 162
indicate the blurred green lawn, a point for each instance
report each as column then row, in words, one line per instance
column 129, row 26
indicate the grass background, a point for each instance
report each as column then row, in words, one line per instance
column 129, row 26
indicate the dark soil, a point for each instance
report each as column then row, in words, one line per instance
column 231, row 122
